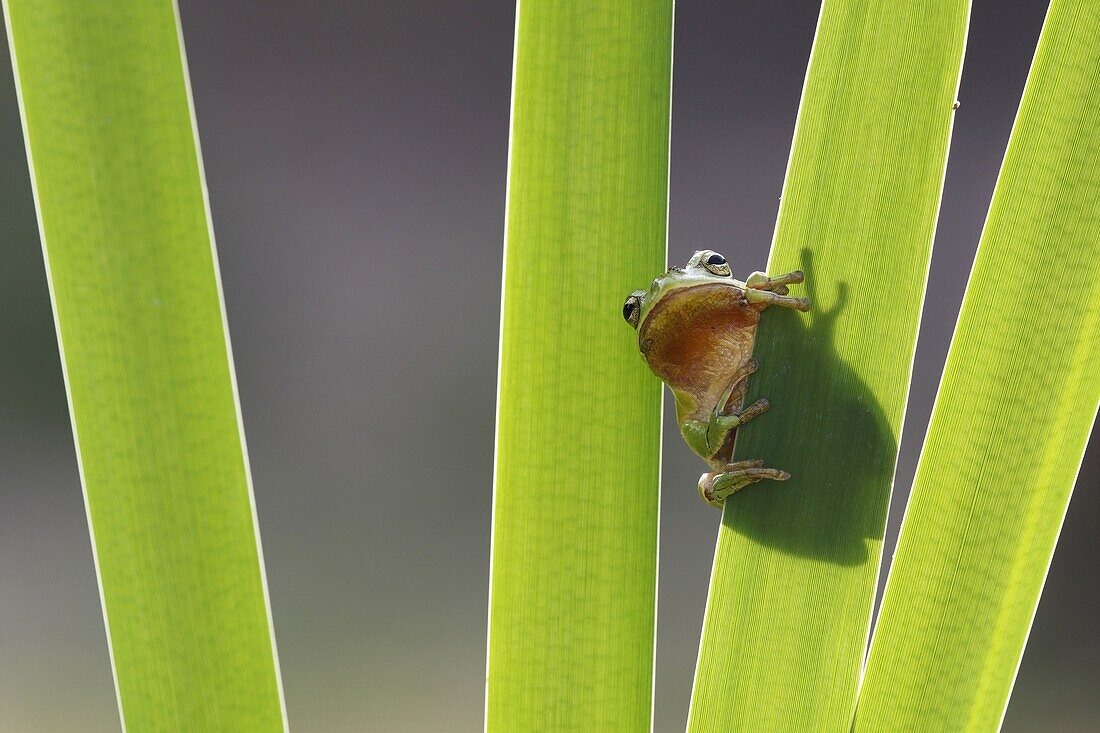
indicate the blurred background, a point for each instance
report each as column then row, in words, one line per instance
column 356, row 154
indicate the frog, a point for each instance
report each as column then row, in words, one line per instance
column 696, row 327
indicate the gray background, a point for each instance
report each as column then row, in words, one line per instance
column 355, row 155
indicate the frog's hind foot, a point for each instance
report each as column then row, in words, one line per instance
column 715, row 487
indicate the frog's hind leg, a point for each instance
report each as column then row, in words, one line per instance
column 715, row 487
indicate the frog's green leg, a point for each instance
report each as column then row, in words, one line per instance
column 705, row 438
column 714, row 488
column 695, row 435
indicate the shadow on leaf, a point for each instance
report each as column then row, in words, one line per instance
column 826, row 428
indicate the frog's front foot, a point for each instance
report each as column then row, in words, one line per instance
column 760, row 281
column 715, row 487
column 763, row 291
column 721, row 424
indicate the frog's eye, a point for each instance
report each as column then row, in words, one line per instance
column 716, row 264
column 632, row 308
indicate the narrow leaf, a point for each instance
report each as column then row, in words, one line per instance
column 578, row 432
column 796, row 563
column 133, row 277
column 1013, row 414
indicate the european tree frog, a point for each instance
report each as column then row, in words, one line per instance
column 696, row 326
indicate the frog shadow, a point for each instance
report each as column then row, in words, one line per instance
column 838, row 447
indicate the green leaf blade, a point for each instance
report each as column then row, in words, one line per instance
column 134, row 283
column 572, row 599
column 1013, row 414
column 796, row 564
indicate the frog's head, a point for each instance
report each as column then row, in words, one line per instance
column 704, row 268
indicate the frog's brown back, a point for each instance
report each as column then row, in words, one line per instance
column 696, row 338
